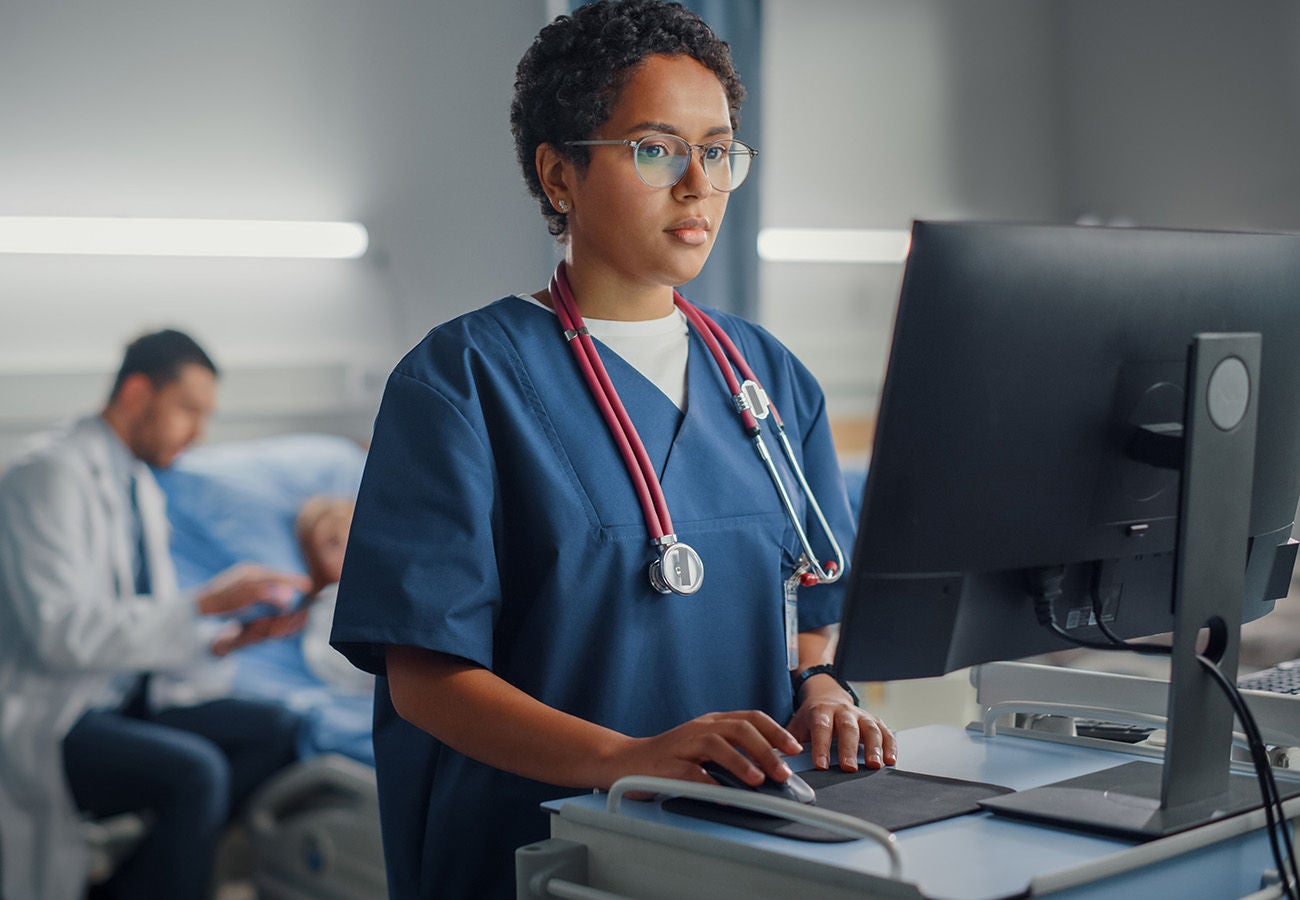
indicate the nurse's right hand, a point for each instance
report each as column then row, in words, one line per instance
column 474, row 711
column 749, row 743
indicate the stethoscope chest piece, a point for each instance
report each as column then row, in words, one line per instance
column 678, row 570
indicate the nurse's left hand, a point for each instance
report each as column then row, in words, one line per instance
column 828, row 713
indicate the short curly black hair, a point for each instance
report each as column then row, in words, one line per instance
column 569, row 80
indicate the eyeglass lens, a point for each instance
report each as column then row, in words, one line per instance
column 662, row 161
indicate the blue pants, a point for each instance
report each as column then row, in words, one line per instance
column 192, row 768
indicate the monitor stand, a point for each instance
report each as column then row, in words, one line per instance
column 1144, row 799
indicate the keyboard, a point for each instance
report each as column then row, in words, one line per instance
column 1283, row 678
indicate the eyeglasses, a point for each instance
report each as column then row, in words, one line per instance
column 661, row 160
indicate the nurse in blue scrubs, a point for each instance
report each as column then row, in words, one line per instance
column 496, row 574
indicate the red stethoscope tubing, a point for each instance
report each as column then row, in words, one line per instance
column 713, row 336
column 649, row 491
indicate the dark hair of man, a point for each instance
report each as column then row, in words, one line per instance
column 160, row 356
column 569, row 80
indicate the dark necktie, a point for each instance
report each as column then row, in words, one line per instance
column 136, row 702
column 142, row 581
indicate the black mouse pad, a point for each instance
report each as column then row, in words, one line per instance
column 891, row 798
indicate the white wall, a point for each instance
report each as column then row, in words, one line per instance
column 1184, row 113
column 937, row 109
column 1178, row 113
column 395, row 113
column 391, row 113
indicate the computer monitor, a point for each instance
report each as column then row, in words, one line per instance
column 1028, row 459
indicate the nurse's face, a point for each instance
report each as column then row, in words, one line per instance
column 173, row 415
column 639, row 235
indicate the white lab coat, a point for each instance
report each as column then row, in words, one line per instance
column 69, row 622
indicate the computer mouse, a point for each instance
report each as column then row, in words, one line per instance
column 793, row 788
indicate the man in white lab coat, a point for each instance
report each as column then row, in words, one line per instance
column 88, row 604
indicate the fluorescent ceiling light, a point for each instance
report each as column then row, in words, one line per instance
column 833, row 245
column 183, row 237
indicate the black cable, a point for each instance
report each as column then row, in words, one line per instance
column 1275, row 823
column 1050, row 588
column 1271, row 797
column 1268, row 789
column 1051, row 581
column 1118, row 643
column 1083, row 642
column 1264, row 772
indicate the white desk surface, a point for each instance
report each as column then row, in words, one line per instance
column 981, row 856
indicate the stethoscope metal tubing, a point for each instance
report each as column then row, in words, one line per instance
column 823, row 576
column 716, row 340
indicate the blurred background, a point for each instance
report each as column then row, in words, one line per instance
column 868, row 114
column 394, row 114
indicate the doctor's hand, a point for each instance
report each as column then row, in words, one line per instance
column 827, row 712
column 263, row 628
column 747, row 742
column 246, row 584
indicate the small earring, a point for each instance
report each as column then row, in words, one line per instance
column 562, row 205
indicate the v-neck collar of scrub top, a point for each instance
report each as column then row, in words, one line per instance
column 664, row 429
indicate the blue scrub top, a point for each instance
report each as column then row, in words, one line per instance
column 496, row 522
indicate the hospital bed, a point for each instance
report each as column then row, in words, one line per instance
column 311, row 834
column 313, row 831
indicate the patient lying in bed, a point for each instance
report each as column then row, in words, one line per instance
column 284, row 502
column 322, row 528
